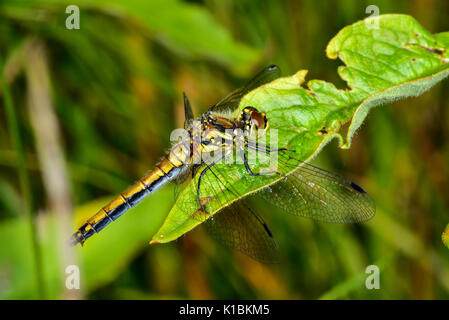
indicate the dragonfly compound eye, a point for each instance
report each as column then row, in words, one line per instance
column 259, row 120
column 250, row 116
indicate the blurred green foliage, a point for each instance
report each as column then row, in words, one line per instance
column 116, row 89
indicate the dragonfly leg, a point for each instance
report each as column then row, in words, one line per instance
column 265, row 149
column 210, row 165
column 248, row 169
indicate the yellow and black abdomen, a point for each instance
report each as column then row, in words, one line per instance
column 167, row 169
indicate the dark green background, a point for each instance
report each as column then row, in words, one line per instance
column 115, row 89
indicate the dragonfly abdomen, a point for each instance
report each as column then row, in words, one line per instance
column 167, row 169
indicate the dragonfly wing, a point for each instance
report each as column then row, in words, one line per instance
column 181, row 181
column 187, row 111
column 232, row 100
column 237, row 227
column 321, row 195
column 184, row 178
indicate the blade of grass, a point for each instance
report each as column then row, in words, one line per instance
column 355, row 282
column 13, row 128
column 48, row 146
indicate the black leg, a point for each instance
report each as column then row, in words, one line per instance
column 248, row 169
column 210, row 165
column 265, row 149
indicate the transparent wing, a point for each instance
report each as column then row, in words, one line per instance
column 305, row 191
column 187, row 111
column 321, row 195
column 232, row 100
column 237, row 227
column 184, row 178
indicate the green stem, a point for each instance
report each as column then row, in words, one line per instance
column 25, row 186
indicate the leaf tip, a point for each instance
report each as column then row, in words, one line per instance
column 301, row 76
column 331, row 51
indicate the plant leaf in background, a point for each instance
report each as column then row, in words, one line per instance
column 101, row 260
column 396, row 59
column 172, row 20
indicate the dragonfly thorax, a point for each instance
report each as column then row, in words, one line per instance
column 250, row 118
column 217, row 128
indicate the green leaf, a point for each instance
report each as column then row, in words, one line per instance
column 113, row 248
column 189, row 30
column 398, row 59
column 100, row 261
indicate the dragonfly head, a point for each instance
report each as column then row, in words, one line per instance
column 251, row 118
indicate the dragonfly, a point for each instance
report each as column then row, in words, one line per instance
column 301, row 189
